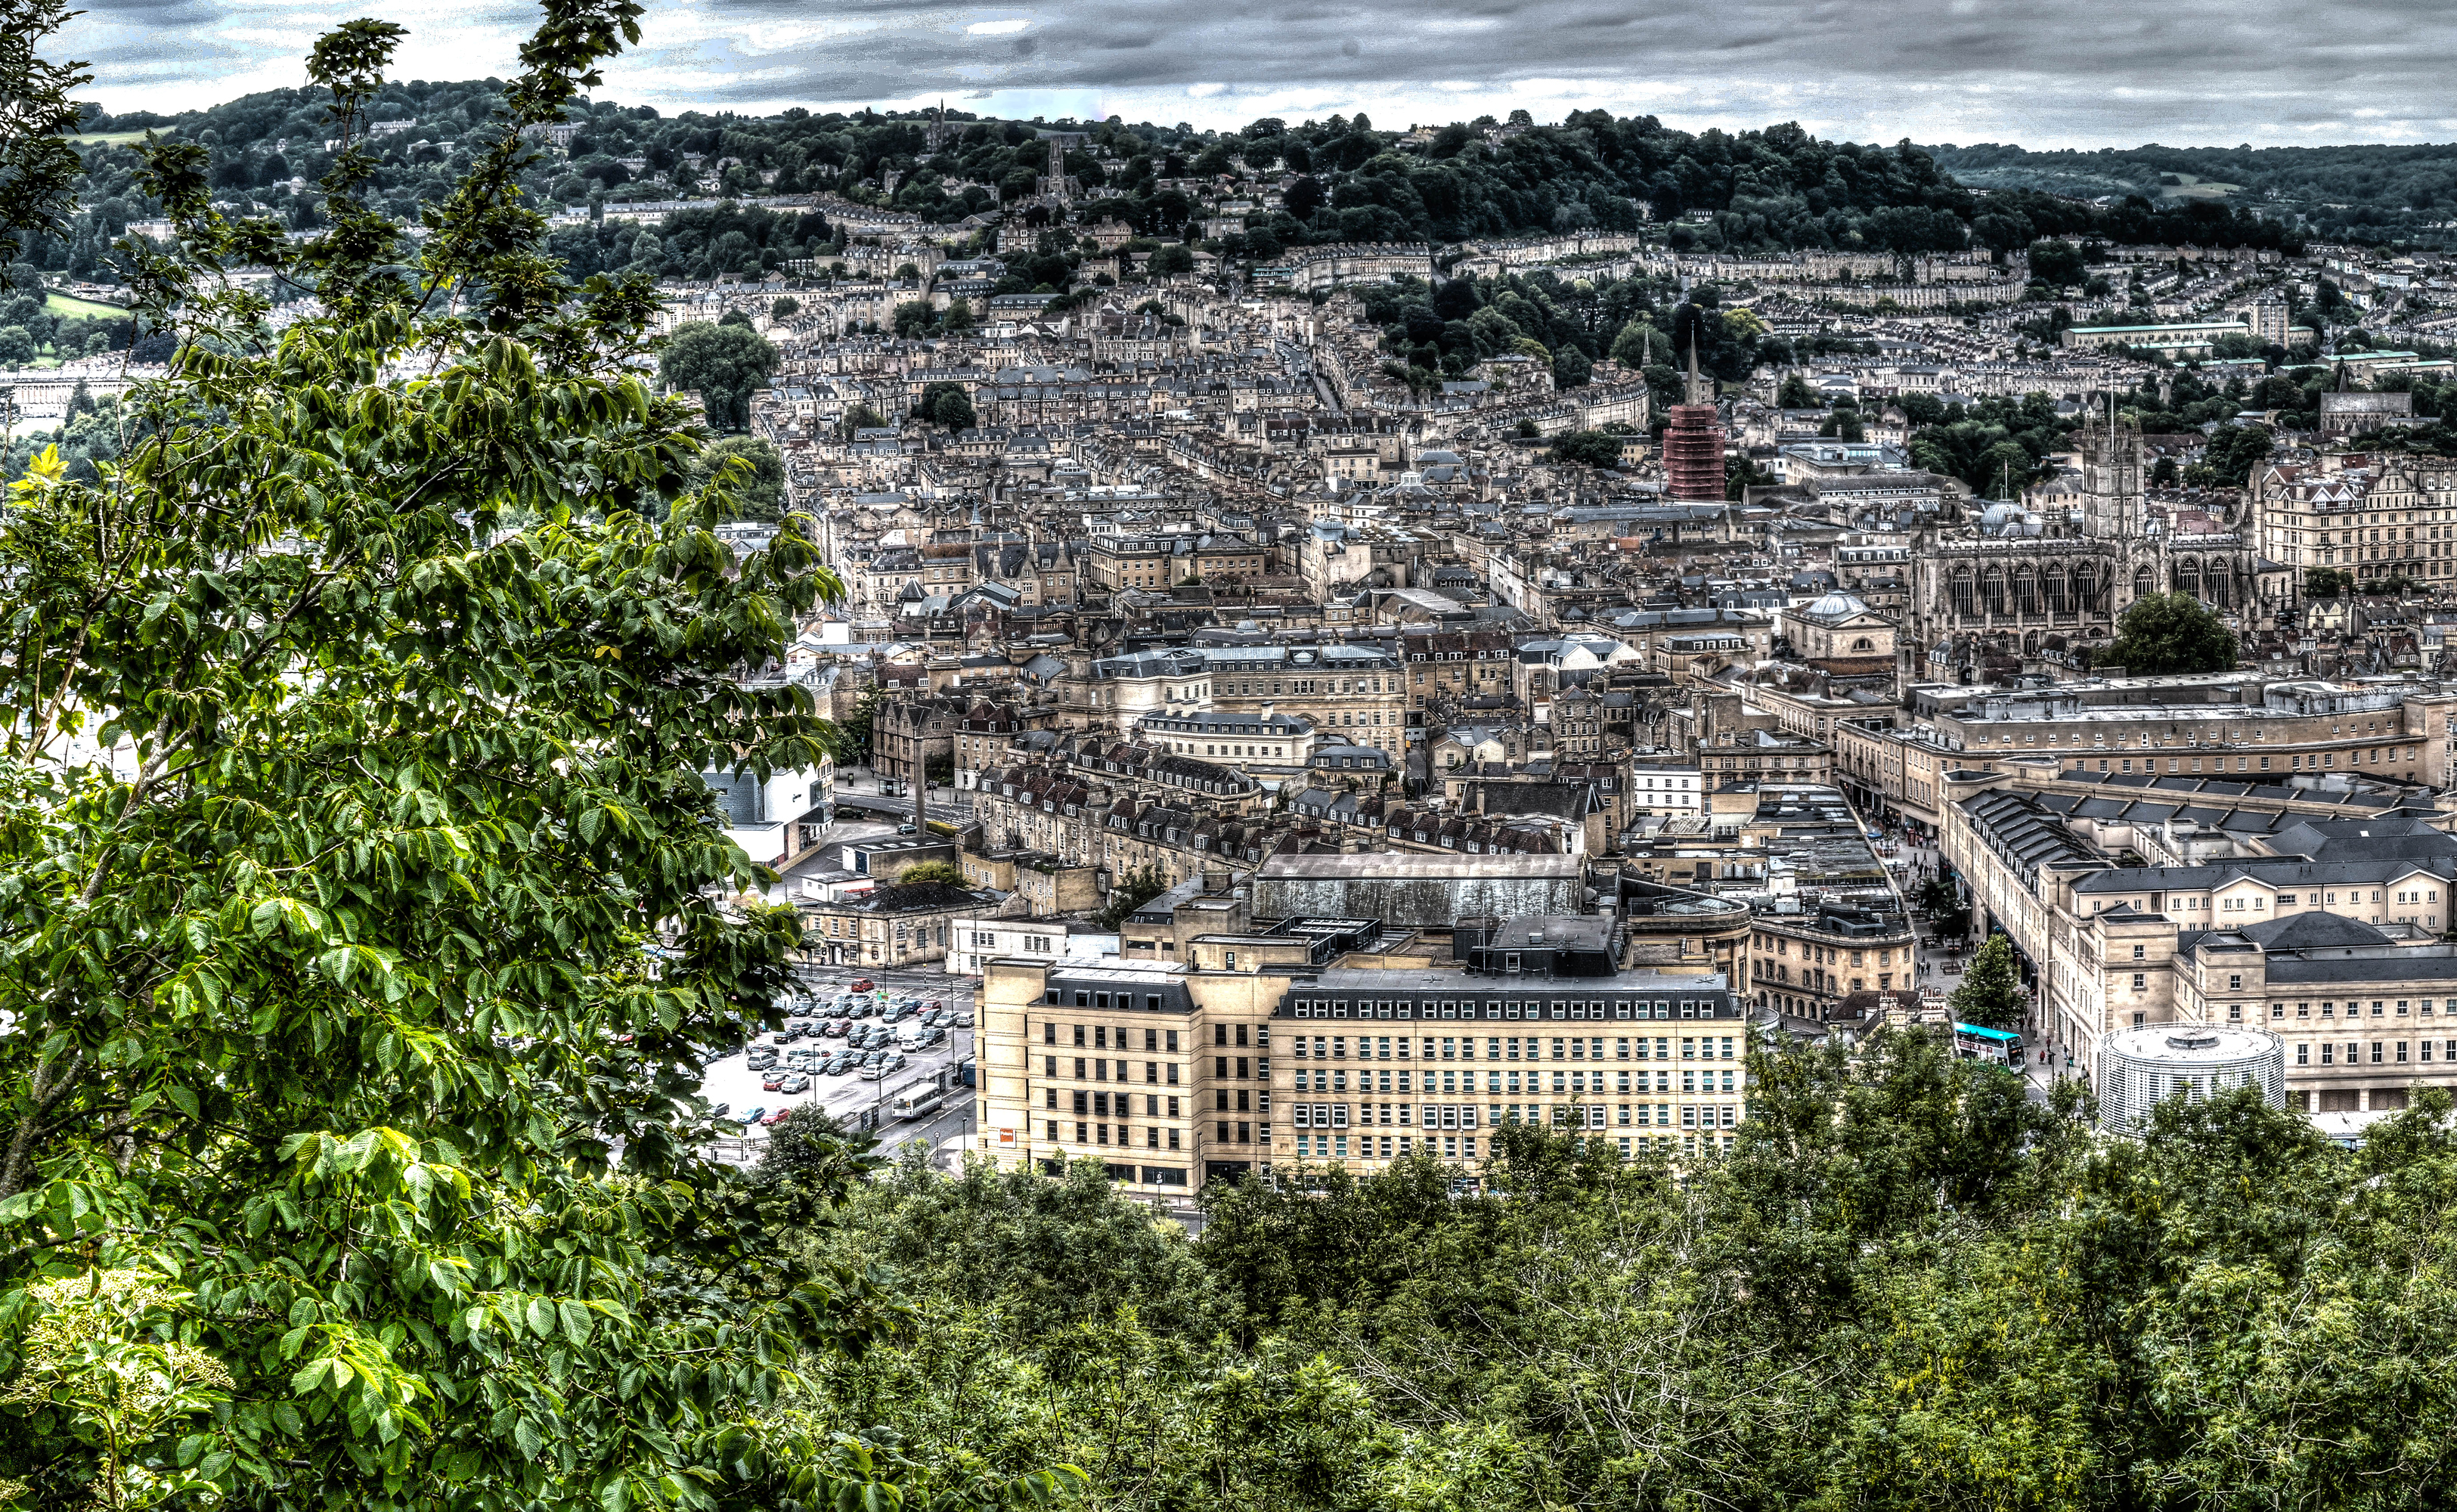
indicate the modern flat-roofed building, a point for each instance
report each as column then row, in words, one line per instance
column 1348, row 1045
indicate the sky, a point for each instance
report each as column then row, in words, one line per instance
column 2183, row 73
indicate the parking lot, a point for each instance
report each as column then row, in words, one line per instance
column 849, row 1096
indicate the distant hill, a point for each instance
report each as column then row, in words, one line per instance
column 2369, row 193
column 1776, row 188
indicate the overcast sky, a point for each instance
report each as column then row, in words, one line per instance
column 2184, row 72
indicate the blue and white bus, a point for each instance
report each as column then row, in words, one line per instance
column 2001, row 1046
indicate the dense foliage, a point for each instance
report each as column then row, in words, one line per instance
column 2160, row 634
column 2365, row 193
column 1909, row 1286
column 364, row 916
column 1347, row 181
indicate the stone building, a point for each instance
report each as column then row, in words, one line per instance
column 2069, row 565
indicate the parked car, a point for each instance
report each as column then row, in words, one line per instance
column 922, row 1036
column 795, row 1085
column 865, row 984
column 775, row 1080
column 896, row 1013
column 784, row 1036
column 931, row 1016
column 963, row 1019
column 761, row 1058
column 772, row 1120
column 752, row 1114
column 885, row 1066
column 836, row 1029
column 858, row 1008
column 842, row 1062
column 720, row 1111
column 938, row 1002
column 906, row 829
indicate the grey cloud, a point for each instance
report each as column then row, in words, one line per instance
column 2197, row 71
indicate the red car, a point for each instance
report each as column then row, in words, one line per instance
column 775, row 1118
column 938, row 1002
column 774, row 1081
column 865, row 984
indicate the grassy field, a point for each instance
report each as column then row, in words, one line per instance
column 69, row 308
column 2193, row 186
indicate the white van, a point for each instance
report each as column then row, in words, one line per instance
column 918, row 1101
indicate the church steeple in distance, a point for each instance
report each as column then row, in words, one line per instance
column 1693, row 444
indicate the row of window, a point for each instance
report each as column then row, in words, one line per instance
column 1085, row 998
column 1463, row 1115
column 1099, row 1134
column 1498, row 1047
column 2325, row 759
column 1324, row 1079
column 2395, row 1049
column 1511, row 1009
column 1454, row 1147
column 2354, row 1010
column 1100, row 1104
column 1100, row 1067
column 1155, row 1038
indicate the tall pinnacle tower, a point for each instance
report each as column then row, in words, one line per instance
column 1693, row 447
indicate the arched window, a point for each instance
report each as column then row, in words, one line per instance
column 2188, row 578
column 2219, row 585
column 1991, row 589
column 1961, row 591
column 1864, row 644
column 2025, row 590
column 2144, row 584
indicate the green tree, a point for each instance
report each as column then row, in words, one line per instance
column 2164, row 634
column 1796, row 394
column 722, row 364
column 914, row 318
column 946, row 403
column 2233, row 452
column 861, row 417
column 2057, row 263
column 1132, row 891
column 1991, row 994
column 17, row 347
column 350, row 1010
column 1172, row 261
column 947, row 872
column 784, row 307
column 2326, row 582
column 1592, row 449
column 756, row 485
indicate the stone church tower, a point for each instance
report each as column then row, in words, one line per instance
column 2019, row 580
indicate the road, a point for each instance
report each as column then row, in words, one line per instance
column 847, row 1097
column 902, row 808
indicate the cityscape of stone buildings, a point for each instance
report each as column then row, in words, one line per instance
column 1376, row 708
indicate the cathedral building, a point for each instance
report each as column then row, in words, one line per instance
column 2019, row 579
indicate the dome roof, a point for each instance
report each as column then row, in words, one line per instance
column 1834, row 605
